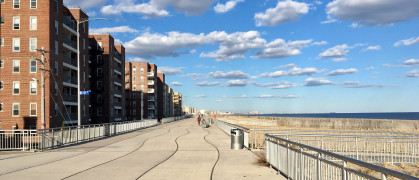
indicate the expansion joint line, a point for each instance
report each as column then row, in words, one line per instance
column 218, row 151
column 177, row 148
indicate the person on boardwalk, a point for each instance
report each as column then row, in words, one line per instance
column 199, row 120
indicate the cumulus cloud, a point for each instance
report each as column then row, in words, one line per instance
column 270, row 84
column 219, row 100
column 374, row 12
column 228, row 75
column 295, row 71
column 339, row 59
column 111, row 30
column 242, row 96
column 329, row 20
column 413, row 73
column 237, row 83
column 369, row 68
column 170, row 70
column 286, row 66
column 336, row 51
column 192, row 75
column 175, row 83
column 342, row 72
column 357, row 84
column 319, row 43
column 285, row 11
column 157, row 8
column 373, row 48
column 277, row 96
column 85, row 4
column 223, row 8
column 206, row 83
column 317, row 82
column 279, row 48
column 407, row 42
column 407, row 63
column 200, row 96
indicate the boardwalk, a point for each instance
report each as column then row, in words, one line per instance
column 179, row 150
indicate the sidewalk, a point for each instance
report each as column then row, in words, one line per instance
column 171, row 151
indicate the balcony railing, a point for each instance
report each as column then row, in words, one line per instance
column 151, row 74
column 69, row 60
column 67, row 21
column 70, row 42
column 150, row 82
column 69, row 79
column 150, row 90
column 151, row 99
column 117, row 68
column 70, row 98
column 117, row 56
column 70, row 117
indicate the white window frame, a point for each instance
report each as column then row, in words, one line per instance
column 14, row 87
column 30, row 4
column 1, row 63
column 33, row 26
column 30, row 66
column 134, row 87
column 30, row 109
column 2, row 42
column 13, row 109
column 15, row 4
column 35, row 85
column 134, row 70
column 16, row 61
column 16, row 44
column 33, row 44
column 16, row 18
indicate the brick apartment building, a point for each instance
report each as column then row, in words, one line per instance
column 177, row 104
column 107, row 79
column 134, row 106
column 28, row 26
column 168, row 101
column 143, row 78
column 160, row 94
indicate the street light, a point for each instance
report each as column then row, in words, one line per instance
column 78, row 66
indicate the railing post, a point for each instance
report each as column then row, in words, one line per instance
column 356, row 146
column 52, row 139
column 288, row 160
column 344, row 176
column 301, row 164
column 62, row 136
column 391, row 151
column 319, row 168
column 383, row 176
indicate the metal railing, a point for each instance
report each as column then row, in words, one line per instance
column 70, row 42
column 70, row 98
column 71, row 24
column 56, row 137
column 70, row 61
column 227, row 127
column 299, row 161
column 70, row 79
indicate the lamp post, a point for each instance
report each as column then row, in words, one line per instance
column 78, row 66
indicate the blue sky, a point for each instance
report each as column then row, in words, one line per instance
column 274, row 56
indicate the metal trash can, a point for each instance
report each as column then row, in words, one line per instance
column 237, row 140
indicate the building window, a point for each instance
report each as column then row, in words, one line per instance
column 33, row 86
column 56, row 89
column 56, row 110
column 99, row 72
column 32, row 44
column 16, row 23
column 16, row 44
column 84, row 77
column 32, row 107
column 1, row 64
column 33, row 4
column 32, row 66
column 56, row 47
column 84, row 110
column 99, row 85
column 2, row 42
column 99, row 59
column 56, row 27
column 1, row 107
column 99, row 45
column 2, row 1
column 16, row 66
column 142, row 87
column 56, row 7
column 84, row 44
column 134, row 70
column 33, row 23
column 16, row 89
column 56, row 68
column 16, row 4
column 133, row 95
column 134, row 87
column 134, row 79
column 142, row 70
column 99, row 111
column 134, row 112
column 1, row 85
column 99, row 98
column 84, row 60
column 15, row 109
column 142, row 78
column 134, row 103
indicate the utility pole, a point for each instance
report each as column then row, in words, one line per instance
column 43, row 61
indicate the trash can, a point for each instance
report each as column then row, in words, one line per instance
column 237, row 139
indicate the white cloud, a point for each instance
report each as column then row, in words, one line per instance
column 277, row 96
column 279, row 48
column 237, row 82
column 329, row 20
column 342, row 72
column 175, row 83
column 286, row 66
column 373, row 48
column 339, row 59
column 219, row 100
column 317, row 82
column 110, row 30
column 206, row 83
column 374, row 12
column 223, row 8
column 192, row 75
column 91, row 14
column 369, row 68
column 357, row 84
column 355, row 25
column 242, row 96
column 407, row 63
column 136, row 59
column 170, row 70
column 413, row 73
column 117, row 41
column 200, row 96
column 336, row 51
column 407, row 42
column 295, row 71
column 85, row 4
column 229, row 75
column 285, row 11
column 272, row 84
column 157, row 8
column 319, row 43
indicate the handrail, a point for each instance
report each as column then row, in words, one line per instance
column 347, row 159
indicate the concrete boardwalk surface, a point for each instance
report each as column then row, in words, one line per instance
column 178, row 150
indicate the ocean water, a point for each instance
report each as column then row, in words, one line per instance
column 389, row 115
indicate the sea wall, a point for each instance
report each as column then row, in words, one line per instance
column 339, row 123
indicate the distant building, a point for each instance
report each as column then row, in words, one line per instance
column 168, row 101
column 160, row 82
column 254, row 112
column 189, row 110
column 177, row 104
column 107, row 79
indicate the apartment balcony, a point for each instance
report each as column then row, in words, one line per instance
column 70, row 117
column 70, row 63
column 150, row 90
column 150, row 74
column 117, row 58
column 70, row 100
column 70, row 44
column 70, row 81
column 151, row 116
column 118, row 118
column 150, row 82
column 150, row 98
column 151, row 107
column 118, row 70
column 71, row 24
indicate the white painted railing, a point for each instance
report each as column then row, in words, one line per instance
column 227, row 127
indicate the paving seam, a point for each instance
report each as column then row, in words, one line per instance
column 218, row 151
column 70, row 156
column 177, row 147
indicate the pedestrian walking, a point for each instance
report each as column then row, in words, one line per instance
column 199, row 120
